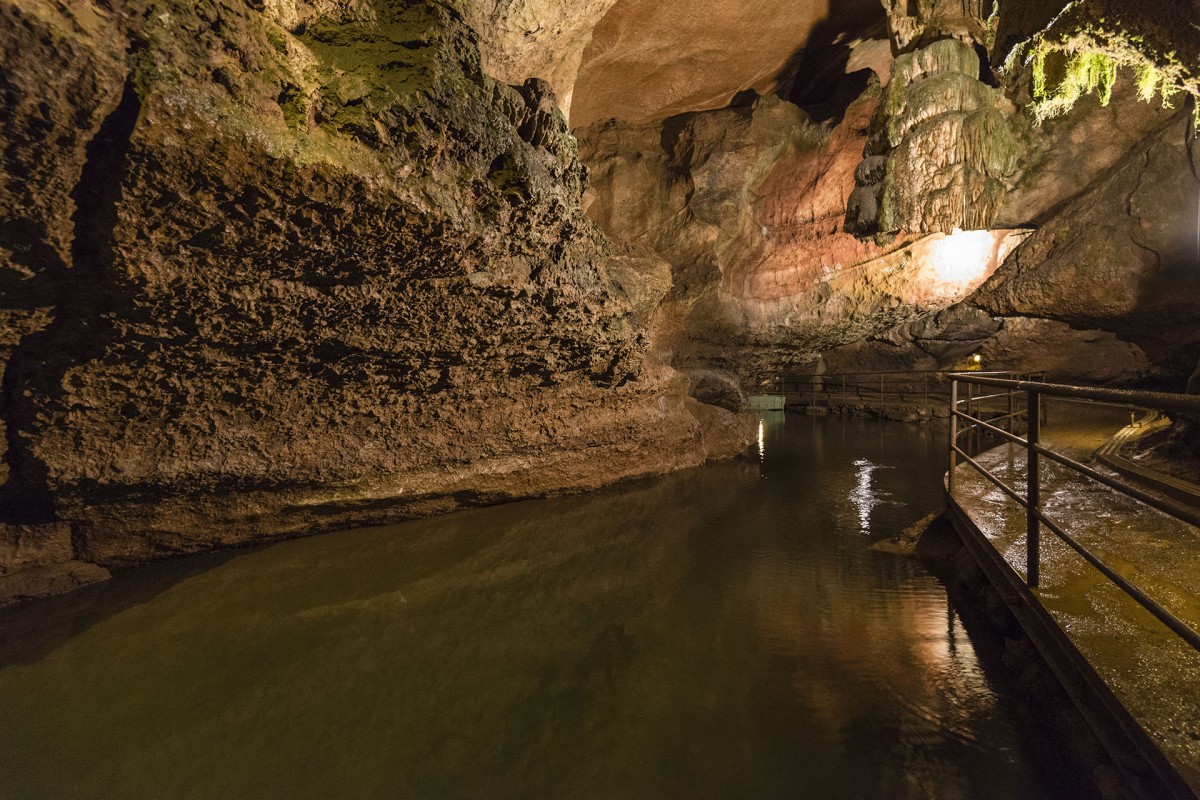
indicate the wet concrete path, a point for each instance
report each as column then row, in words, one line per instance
column 1154, row 673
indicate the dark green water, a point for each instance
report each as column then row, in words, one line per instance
column 723, row 633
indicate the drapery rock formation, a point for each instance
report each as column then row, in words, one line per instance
column 272, row 268
column 941, row 150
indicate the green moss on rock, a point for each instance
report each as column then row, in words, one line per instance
column 1087, row 46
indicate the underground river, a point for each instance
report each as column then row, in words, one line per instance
column 720, row 633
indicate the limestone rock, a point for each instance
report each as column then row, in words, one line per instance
column 1121, row 257
column 280, row 267
column 747, row 206
column 652, row 59
column 1069, row 355
column 546, row 39
column 37, row 582
column 915, row 23
column 1062, row 156
column 1102, row 293
column 949, row 148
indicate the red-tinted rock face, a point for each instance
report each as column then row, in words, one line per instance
column 264, row 281
column 799, row 207
column 747, row 206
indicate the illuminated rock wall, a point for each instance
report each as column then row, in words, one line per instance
column 746, row 206
column 275, row 268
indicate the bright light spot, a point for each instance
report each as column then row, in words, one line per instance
column 962, row 258
column 863, row 496
column 762, row 441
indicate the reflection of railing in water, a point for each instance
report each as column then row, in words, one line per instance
column 1018, row 396
column 925, row 392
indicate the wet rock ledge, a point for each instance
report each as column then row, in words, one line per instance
column 275, row 268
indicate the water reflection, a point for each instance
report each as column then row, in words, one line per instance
column 705, row 635
column 863, row 496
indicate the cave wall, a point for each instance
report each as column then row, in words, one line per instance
column 747, row 207
column 1106, row 290
column 277, row 267
column 269, row 267
column 544, row 39
column 651, row 59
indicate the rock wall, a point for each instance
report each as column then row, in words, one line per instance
column 746, row 207
column 272, row 267
column 743, row 205
column 652, row 59
column 545, row 39
column 1120, row 257
column 1101, row 292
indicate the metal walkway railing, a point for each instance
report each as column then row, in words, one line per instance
column 1017, row 398
column 920, row 390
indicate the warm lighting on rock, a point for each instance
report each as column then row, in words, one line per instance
column 951, row 266
column 963, row 257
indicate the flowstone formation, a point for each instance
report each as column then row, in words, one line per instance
column 275, row 267
column 941, row 149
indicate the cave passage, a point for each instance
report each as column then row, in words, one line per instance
column 721, row 632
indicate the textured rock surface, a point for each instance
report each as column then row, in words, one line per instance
column 917, row 23
column 271, row 268
column 1061, row 157
column 1105, row 292
column 941, row 151
column 1121, row 257
column 1021, row 344
column 651, row 59
column 746, row 205
column 544, row 39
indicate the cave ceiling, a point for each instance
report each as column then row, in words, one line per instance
column 645, row 60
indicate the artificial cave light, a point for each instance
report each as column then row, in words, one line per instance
column 962, row 258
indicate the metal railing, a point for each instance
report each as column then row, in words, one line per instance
column 1018, row 397
column 876, row 389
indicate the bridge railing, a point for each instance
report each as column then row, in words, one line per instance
column 912, row 389
column 1018, row 396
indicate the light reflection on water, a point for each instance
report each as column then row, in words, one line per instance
column 706, row 635
column 864, row 496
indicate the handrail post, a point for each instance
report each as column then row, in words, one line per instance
column 972, row 443
column 1033, row 499
column 953, row 432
